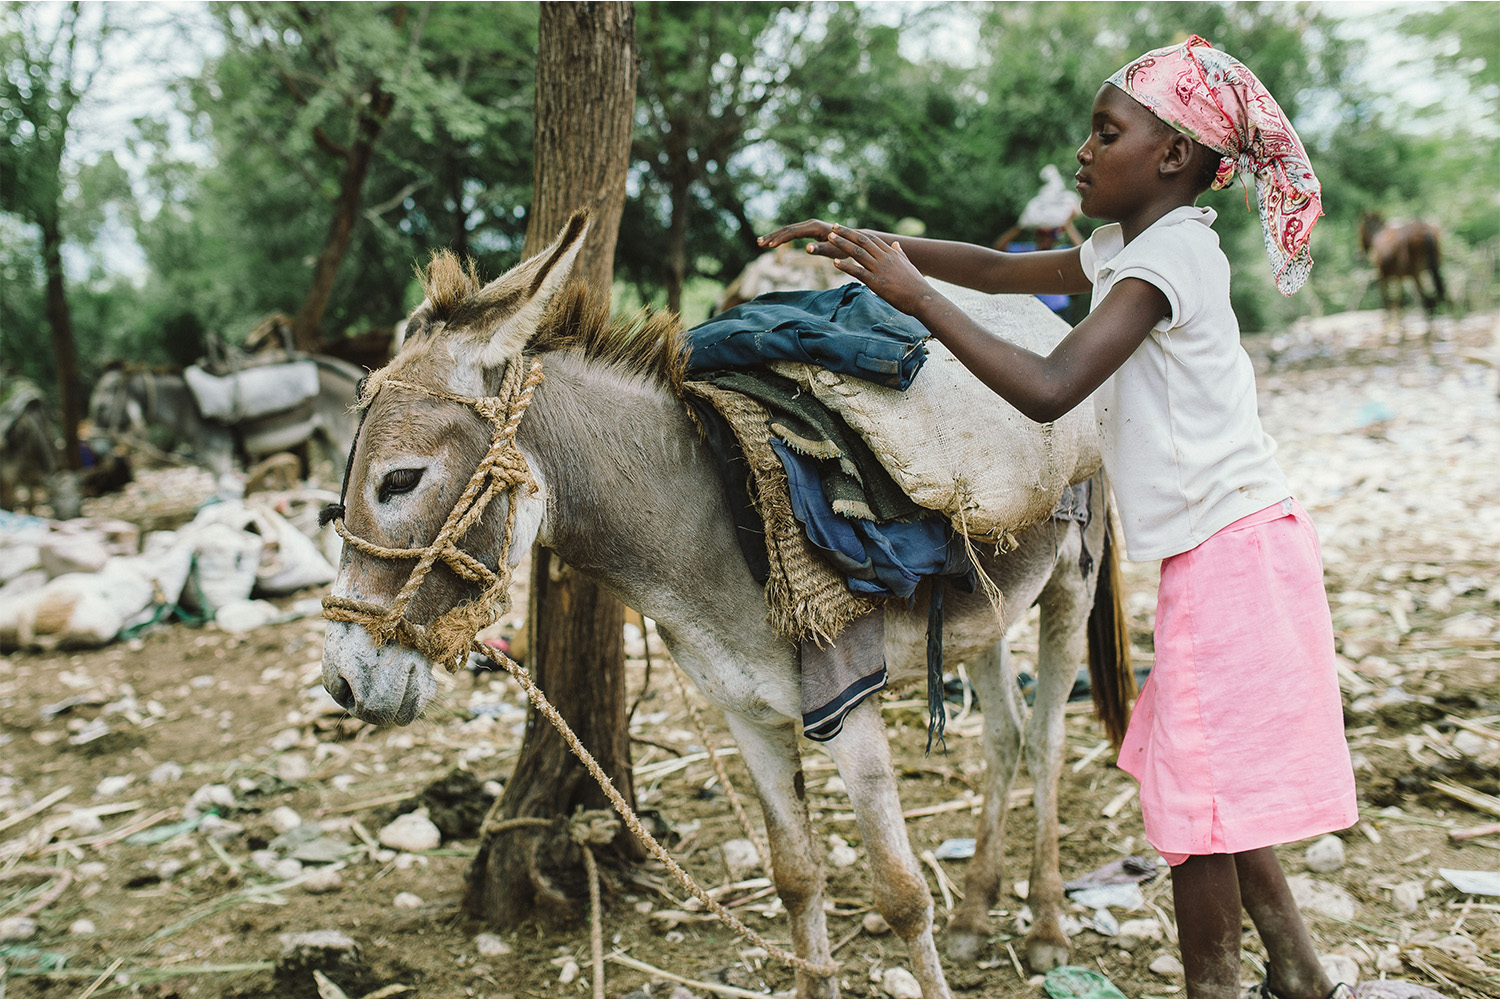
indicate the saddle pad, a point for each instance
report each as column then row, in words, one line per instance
column 953, row 445
column 807, row 599
column 254, row 392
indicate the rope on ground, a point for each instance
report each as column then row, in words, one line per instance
column 633, row 823
column 594, row 826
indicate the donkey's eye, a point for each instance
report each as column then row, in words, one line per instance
column 398, row 481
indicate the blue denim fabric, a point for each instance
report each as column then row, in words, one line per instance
column 881, row 560
column 849, row 330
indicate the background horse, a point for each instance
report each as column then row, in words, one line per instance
column 125, row 404
column 1399, row 251
column 628, row 493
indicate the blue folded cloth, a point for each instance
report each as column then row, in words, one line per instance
column 849, row 330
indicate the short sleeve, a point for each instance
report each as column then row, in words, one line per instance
column 1173, row 261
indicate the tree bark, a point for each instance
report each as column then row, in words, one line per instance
column 64, row 349
column 586, row 76
column 307, row 327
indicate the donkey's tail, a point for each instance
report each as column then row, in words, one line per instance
column 1111, row 679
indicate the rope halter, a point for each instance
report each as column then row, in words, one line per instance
column 503, row 469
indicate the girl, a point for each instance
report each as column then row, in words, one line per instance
column 1237, row 738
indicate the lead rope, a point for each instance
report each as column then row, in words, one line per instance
column 453, row 635
column 633, row 823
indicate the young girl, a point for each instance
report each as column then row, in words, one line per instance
column 1237, row 738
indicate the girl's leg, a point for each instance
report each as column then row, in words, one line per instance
column 1292, row 965
column 1206, row 895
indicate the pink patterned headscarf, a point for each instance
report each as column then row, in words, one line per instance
column 1212, row 97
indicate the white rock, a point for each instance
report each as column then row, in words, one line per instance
column 113, row 785
column 1326, row 854
column 292, row 768
column 407, row 901
column 1320, row 897
column 569, row 972
column 286, row 739
column 875, row 925
column 740, row 858
column 208, row 797
column 1473, row 744
column 18, row 929
column 84, row 822
column 284, row 818
column 898, row 982
column 412, row 831
column 83, row 925
column 491, row 945
column 165, row 774
column 1166, row 966
column 1340, row 968
column 840, row 854
column 323, row 880
column 1407, row 897
column 1134, row 933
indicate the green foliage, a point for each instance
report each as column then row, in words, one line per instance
column 748, row 114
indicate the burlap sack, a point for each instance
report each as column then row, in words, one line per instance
column 956, row 447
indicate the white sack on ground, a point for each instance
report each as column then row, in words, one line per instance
column 288, row 560
column 953, row 445
column 79, row 609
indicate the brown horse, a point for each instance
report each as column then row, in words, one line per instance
column 1401, row 250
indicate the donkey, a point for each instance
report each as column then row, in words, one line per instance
column 626, row 491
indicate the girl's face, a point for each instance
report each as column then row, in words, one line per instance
column 1118, row 163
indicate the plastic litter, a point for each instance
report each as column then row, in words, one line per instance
column 1472, row 883
column 1077, row 981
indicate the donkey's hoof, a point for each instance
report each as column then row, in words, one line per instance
column 965, row 945
column 1043, row 954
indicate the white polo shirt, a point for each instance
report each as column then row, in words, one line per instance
column 1182, row 441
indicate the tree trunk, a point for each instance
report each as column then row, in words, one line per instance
column 64, row 350
column 585, row 102
column 307, row 327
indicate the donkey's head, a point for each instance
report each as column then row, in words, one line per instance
column 424, row 555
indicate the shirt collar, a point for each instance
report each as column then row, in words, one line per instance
column 1109, row 240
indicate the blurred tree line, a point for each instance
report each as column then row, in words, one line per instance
column 331, row 147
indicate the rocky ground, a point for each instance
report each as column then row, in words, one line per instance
column 175, row 806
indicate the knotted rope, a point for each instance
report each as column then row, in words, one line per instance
column 502, row 469
column 452, row 635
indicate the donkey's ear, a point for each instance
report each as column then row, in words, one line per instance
column 521, row 296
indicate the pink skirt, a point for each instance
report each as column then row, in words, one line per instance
column 1237, row 738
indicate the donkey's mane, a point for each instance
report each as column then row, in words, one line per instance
column 647, row 342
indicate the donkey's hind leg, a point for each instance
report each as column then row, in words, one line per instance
column 770, row 754
column 901, row 893
column 1000, row 702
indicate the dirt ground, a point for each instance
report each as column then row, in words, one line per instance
column 1392, row 444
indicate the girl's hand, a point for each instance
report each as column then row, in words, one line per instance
column 880, row 265
column 813, row 229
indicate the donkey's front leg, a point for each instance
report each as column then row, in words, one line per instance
column 1000, row 701
column 770, row 755
column 901, row 893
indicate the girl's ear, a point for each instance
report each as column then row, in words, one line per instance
column 1177, row 155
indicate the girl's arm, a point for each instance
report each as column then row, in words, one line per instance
column 1042, row 388
column 1055, row 272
